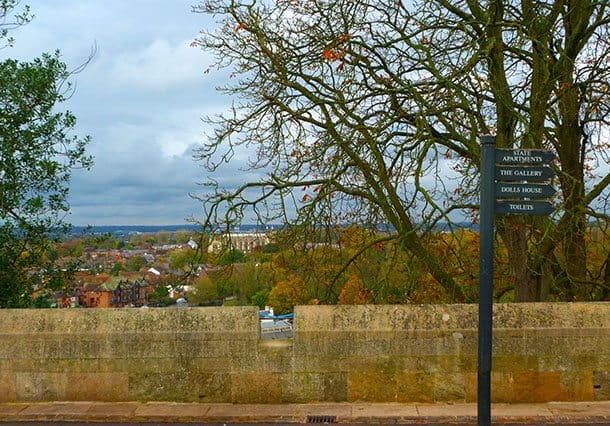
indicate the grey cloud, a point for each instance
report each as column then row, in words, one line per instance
column 141, row 99
column 135, row 186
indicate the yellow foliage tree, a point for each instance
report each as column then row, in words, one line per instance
column 288, row 293
column 354, row 292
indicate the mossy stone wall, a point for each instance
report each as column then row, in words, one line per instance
column 542, row 352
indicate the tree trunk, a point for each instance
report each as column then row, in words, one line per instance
column 527, row 283
column 571, row 154
column 413, row 244
column 606, row 291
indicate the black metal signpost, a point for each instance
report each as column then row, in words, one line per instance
column 486, row 255
column 516, row 166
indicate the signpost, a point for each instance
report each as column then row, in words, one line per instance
column 532, row 208
column 529, row 190
column 486, row 237
column 523, row 156
column 511, row 181
column 529, row 173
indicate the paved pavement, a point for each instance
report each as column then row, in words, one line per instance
column 356, row 413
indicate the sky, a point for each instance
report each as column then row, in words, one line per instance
column 141, row 99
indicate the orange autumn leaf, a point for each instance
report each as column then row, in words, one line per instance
column 328, row 54
column 241, row 26
column 331, row 55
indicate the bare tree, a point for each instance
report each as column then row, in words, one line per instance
column 360, row 111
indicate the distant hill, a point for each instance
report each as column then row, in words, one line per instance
column 149, row 229
column 122, row 230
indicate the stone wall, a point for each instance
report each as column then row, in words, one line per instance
column 135, row 354
column 542, row 352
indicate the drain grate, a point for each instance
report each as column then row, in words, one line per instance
column 322, row 419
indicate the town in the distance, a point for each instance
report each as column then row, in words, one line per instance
column 272, row 266
column 143, row 269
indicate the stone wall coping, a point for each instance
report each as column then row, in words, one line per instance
column 581, row 315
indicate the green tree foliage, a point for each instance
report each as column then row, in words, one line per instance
column 43, row 301
column 116, row 269
column 160, row 297
column 10, row 18
column 260, row 298
column 162, row 237
column 231, row 256
column 364, row 111
column 181, row 236
column 183, row 259
column 206, row 292
column 135, row 263
column 382, row 273
column 37, row 155
column 270, row 248
column 245, row 283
